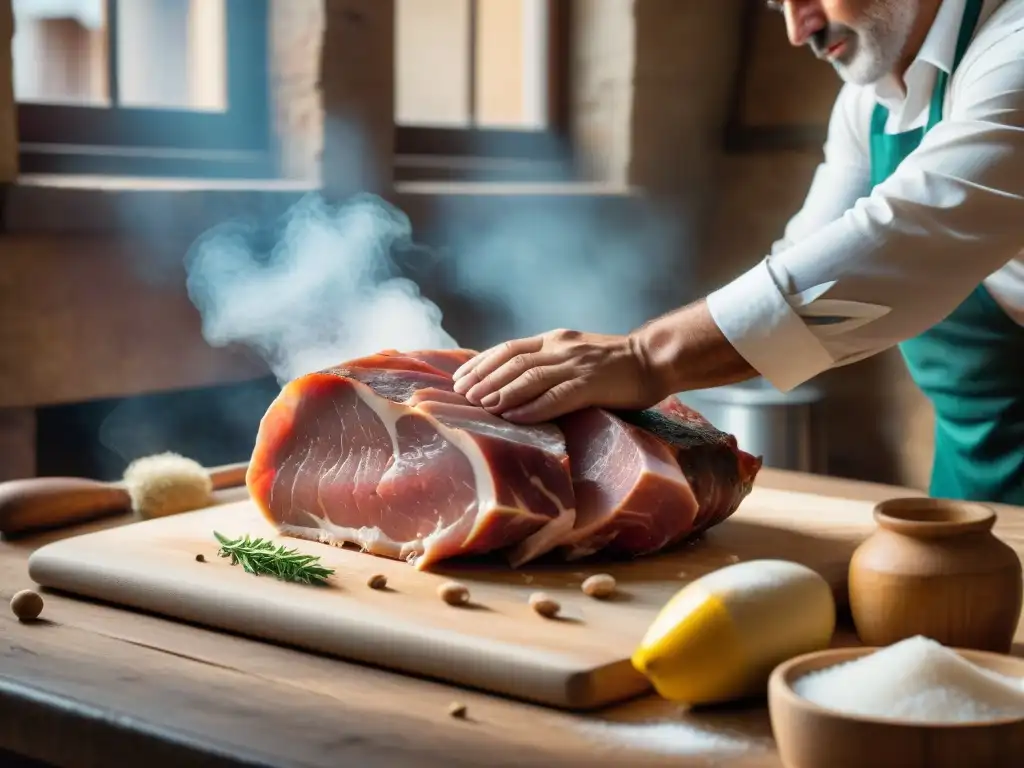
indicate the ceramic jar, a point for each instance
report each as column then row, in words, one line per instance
column 934, row 567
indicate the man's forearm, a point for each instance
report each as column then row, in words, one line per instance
column 685, row 350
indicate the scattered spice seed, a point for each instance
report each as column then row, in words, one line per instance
column 200, row 558
column 545, row 605
column 600, row 585
column 455, row 709
column 377, row 581
column 27, row 605
column 453, row 593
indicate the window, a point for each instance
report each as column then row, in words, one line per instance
column 481, row 88
column 181, row 88
column 143, row 87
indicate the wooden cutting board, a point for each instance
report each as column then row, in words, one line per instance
column 497, row 643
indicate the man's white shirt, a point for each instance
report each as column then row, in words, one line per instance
column 859, row 270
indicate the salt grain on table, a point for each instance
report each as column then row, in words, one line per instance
column 916, row 679
column 670, row 737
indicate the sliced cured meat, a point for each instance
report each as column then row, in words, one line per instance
column 382, row 453
column 632, row 497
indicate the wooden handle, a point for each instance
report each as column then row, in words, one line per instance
column 46, row 502
column 228, row 475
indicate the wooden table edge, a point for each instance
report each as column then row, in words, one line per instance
column 32, row 718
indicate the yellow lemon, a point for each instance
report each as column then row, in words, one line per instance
column 719, row 638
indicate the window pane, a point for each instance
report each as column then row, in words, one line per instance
column 511, row 71
column 432, row 62
column 60, row 51
column 172, row 54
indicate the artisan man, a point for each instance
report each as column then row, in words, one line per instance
column 911, row 234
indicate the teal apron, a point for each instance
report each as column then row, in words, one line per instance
column 971, row 364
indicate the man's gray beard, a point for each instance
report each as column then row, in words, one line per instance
column 875, row 48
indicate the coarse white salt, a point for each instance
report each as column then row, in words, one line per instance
column 916, row 679
column 670, row 737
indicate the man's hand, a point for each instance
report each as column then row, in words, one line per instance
column 543, row 377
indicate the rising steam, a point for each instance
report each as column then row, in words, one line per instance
column 327, row 290
column 325, row 286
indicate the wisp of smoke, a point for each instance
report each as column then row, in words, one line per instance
column 326, row 291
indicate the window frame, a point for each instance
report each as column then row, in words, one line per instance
column 240, row 143
column 154, row 142
column 426, row 152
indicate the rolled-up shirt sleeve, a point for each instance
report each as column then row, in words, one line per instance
column 860, row 270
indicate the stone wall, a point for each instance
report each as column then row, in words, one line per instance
column 296, row 42
column 652, row 83
column 603, row 60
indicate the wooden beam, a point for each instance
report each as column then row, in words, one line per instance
column 8, row 118
column 357, row 82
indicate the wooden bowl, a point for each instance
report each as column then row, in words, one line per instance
column 810, row 736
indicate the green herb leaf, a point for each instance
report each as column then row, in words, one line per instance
column 261, row 557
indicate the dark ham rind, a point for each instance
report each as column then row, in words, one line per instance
column 381, row 452
column 720, row 473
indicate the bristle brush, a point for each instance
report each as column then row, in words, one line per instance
column 152, row 486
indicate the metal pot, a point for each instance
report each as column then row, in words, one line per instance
column 783, row 427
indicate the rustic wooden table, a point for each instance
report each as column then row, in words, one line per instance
column 94, row 685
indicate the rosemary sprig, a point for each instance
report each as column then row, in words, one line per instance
column 262, row 557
